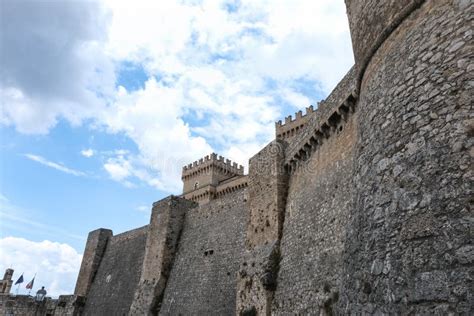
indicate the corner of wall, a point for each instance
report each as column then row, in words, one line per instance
column 164, row 230
column 93, row 253
column 268, row 185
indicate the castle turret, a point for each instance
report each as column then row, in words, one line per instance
column 201, row 177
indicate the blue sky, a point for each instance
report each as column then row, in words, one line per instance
column 103, row 104
column 72, row 203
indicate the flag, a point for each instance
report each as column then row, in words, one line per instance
column 20, row 280
column 30, row 284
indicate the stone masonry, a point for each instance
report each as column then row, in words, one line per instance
column 7, row 282
column 362, row 206
column 209, row 177
column 165, row 227
column 257, row 277
column 409, row 249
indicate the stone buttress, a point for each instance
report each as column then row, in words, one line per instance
column 163, row 234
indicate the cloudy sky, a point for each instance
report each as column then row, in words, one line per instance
column 102, row 103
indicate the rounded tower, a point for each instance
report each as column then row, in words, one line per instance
column 409, row 248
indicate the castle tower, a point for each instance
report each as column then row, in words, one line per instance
column 409, row 251
column 7, row 282
column 201, row 177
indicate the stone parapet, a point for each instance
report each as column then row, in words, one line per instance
column 292, row 127
column 231, row 185
column 201, row 195
column 328, row 119
column 212, row 160
column 25, row 305
column 69, row 305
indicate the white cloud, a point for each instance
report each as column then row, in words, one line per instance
column 214, row 72
column 55, row 165
column 152, row 119
column 57, row 265
column 143, row 209
column 119, row 169
column 53, row 68
column 217, row 78
column 87, row 152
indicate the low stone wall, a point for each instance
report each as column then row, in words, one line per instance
column 25, row 305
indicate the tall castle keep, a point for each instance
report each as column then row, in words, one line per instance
column 361, row 206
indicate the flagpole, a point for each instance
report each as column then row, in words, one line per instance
column 18, row 282
column 33, row 281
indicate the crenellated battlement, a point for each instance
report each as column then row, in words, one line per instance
column 197, row 163
column 298, row 115
column 213, row 160
column 292, row 126
column 329, row 120
column 209, row 171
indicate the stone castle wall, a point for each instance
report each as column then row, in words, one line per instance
column 360, row 207
column 95, row 247
column 319, row 200
column 292, row 127
column 114, row 284
column 328, row 118
column 409, row 250
column 268, row 182
column 203, row 277
column 164, row 232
